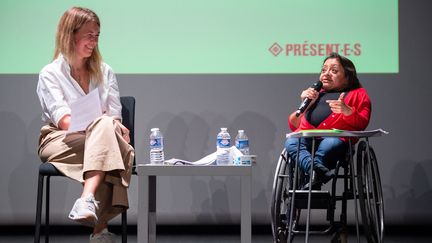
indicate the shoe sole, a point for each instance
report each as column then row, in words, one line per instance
column 89, row 221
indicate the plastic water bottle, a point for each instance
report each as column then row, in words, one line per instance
column 223, row 147
column 156, row 147
column 242, row 142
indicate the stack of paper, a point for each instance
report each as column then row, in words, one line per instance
column 237, row 158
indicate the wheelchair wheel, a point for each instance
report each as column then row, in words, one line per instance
column 370, row 194
column 280, row 206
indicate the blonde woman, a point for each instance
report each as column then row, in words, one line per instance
column 100, row 156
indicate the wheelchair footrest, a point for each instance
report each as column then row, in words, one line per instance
column 319, row 199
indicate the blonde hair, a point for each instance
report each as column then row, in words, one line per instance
column 71, row 21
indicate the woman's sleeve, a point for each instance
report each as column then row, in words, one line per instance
column 361, row 107
column 51, row 97
column 294, row 121
column 114, row 105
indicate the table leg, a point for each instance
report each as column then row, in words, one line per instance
column 246, row 218
column 355, row 191
column 152, row 209
column 310, row 189
column 143, row 209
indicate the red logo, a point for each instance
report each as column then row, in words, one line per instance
column 275, row 49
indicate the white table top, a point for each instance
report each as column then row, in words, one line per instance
column 190, row 170
column 336, row 133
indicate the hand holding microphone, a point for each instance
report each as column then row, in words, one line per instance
column 308, row 97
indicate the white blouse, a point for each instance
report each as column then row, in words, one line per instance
column 57, row 89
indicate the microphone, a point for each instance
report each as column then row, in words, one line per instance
column 316, row 86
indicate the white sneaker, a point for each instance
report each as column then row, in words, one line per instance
column 84, row 210
column 103, row 237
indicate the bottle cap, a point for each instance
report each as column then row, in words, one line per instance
column 224, row 128
column 241, row 131
column 154, row 129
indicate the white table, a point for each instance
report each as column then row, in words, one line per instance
column 147, row 174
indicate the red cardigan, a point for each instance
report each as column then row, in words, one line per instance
column 358, row 100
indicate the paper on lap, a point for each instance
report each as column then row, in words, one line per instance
column 84, row 111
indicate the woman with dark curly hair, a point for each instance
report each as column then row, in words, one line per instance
column 343, row 104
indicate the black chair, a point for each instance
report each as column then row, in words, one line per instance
column 47, row 170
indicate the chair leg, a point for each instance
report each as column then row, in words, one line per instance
column 39, row 208
column 47, row 207
column 124, row 226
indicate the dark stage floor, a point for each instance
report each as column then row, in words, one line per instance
column 204, row 234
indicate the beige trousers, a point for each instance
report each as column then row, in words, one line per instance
column 100, row 147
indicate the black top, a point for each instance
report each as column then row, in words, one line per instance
column 320, row 110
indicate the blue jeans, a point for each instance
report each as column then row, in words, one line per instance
column 327, row 152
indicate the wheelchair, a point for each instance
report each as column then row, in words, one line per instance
column 288, row 204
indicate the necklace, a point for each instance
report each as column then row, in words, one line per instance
column 81, row 77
